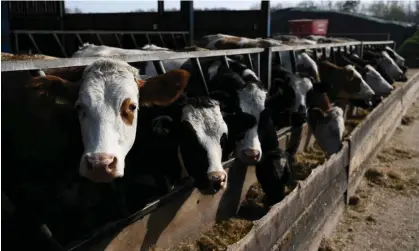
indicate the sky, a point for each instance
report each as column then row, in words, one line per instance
column 128, row 6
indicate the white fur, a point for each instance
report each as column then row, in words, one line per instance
column 329, row 135
column 366, row 91
column 388, row 64
column 209, row 126
column 399, row 59
column 305, row 60
column 91, row 50
column 105, row 85
column 301, row 86
column 377, row 83
column 252, row 101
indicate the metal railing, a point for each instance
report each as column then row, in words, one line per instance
column 97, row 33
column 262, row 67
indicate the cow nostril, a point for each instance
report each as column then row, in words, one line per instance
column 251, row 153
column 101, row 159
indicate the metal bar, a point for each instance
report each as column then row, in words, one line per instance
column 248, row 60
column 278, row 55
column 225, row 61
column 162, row 40
column 258, row 64
column 79, row 38
column 361, row 53
column 59, row 44
column 316, row 56
column 104, row 32
column 148, row 38
column 158, row 64
column 174, row 41
column 34, row 43
column 265, row 68
column 314, row 46
column 119, row 41
column 17, row 65
column 133, row 39
column 184, row 39
column 16, row 43
column 100, row 40
column 197, row 64
column 293, row 61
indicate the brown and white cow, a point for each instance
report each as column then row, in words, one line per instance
column 107, row 98
column 226, row 42
column 346, row 82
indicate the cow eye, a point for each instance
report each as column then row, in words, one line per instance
column 132, row 107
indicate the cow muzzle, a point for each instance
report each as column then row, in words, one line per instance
column 100, row 167
column 217, row 180
column 249, row 156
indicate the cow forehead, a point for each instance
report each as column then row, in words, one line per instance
column 108, row 88
column 252, row 99
column 207, row 121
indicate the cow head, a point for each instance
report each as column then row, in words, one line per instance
column 247, row 99
column 390, row 67
column 203, row 135
column 353, row 85
column 377, row 83
column 328, row 128
column 107, row 99
column 305, row 64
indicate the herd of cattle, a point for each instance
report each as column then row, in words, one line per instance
column 126, row 127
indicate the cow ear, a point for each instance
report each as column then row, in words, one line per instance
column 56, row 88
column 163, row 89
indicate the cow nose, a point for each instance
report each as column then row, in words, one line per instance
column 217, row 180
column 251, row 153
column 104, row 161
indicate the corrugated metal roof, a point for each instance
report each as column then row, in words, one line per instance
column 370, row 18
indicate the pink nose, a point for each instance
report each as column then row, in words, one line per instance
column 251, row 153
column 104, row 161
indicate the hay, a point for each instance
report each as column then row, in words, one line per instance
column 326, row 245
column 8, row 56
column 254, row 207
column 392, row 154
column 387, row 178
column 306, row 161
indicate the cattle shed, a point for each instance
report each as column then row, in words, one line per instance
column 37, row 23
column 342, row 24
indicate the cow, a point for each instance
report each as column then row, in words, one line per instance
column 385, row 62
column 363, row 63
column 107, row 98
column 226, row 42
column 371, row 76
column 399, row 60
column 346, row 83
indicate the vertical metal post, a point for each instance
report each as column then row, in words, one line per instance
column 135, row 41
column 159, row 67
column 160, row 7
column 5, row 28
column 79, row 38
column 361, row 54
column 60, row 45
column 225, row 61
column 258, row 64
column 98, row 38
column 266, row 17
column 118, row 41
column 249, row 62
column 197, row 64
column 266, row 67
column 187, row 12
column 174, row 41
column 16, row 43
column 148, row 38
column 34, row 43
column 293, row 61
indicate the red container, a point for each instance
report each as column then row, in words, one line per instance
column 305, row 27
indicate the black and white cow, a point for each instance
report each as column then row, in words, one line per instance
column 386, row 63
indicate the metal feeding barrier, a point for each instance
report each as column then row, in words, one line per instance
column 97, row 33
column 258, row 59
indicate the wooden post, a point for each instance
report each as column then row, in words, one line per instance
column 187, row 12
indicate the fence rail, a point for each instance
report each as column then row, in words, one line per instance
column 18, row 65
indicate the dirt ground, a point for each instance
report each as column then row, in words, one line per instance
column 384, row 212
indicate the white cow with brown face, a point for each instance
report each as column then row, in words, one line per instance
column 107, row 98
